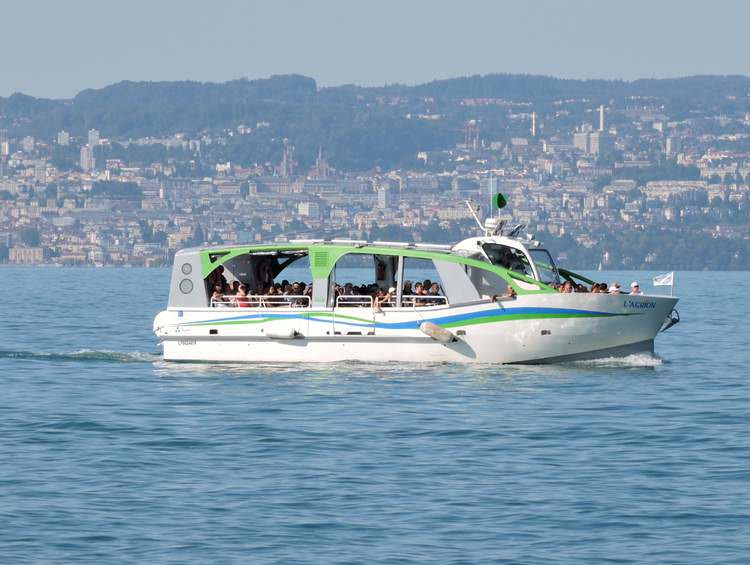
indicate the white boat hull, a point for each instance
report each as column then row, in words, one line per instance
column 536, row 328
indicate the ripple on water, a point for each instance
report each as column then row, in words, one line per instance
column 109, row 454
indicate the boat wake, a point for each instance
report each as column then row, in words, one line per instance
column 84, row 355
column 634, row 360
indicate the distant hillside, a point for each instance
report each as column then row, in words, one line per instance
column 355, row 125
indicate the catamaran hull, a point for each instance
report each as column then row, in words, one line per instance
column 544, row 328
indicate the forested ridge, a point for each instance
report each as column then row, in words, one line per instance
column 360, row 127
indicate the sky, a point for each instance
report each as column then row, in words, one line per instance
column 55, row 49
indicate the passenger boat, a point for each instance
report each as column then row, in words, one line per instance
column 496, row 302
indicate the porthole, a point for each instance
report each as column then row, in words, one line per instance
column 186, row 286
column 187, row 268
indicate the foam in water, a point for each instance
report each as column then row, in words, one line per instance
column 633, row 360
column 84, row 355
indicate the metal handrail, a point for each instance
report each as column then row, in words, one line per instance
column 354, row 300
column 426, row 299
column 262, row 301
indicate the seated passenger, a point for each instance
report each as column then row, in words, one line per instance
column 414, row 299
column 345, row 294
column 581, row 288
column 308, row 294
column 385, row 299
column 635, row 288
column 270, row 298
column 614, row 288
column 299, row 301
column 234, row 288
column 408, row 290
column 217, row 298
column 567, row 287
column 379, row 299
column 241, row 298
column 434, row 294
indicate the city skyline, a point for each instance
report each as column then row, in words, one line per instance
column 74, row 49
column 657, row 177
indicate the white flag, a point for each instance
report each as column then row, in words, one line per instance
column 664, row 280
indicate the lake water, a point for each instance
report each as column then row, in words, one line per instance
column 108, row 454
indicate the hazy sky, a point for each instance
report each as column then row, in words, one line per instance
column 56, row 48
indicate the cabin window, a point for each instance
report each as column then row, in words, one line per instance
column 508, row 258
column 545, row 266
column 361, row 279
column 487, row 283
column 262, row 279
column 422, row 285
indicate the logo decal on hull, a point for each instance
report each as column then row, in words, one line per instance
column 643, row 305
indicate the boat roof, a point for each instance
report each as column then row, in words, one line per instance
column 307, row 243
column 360, row 243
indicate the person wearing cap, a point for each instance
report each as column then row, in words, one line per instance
column 614, row 288
column 391, row 296
column 635, row 288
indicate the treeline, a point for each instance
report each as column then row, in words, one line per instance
column 359, row 127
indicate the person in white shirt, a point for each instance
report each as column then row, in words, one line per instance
column 635, row 288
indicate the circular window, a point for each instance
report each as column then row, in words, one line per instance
column 187, row 268
column 186, row 286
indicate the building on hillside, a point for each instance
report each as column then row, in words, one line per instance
column 87, row 162
column 93, row 138
column 26, row 255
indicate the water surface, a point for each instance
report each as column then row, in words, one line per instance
column 108, row 454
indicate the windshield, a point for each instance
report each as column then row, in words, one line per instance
column 545, row 265
column 508, row 258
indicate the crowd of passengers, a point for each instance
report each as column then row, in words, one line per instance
column 299, row 294
column 425, row 293
column 597, row 288
column 285, row 293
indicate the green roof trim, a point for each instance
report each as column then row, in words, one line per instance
column 212, row 258
column 323, row 257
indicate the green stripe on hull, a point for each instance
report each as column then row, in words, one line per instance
column 513, row 317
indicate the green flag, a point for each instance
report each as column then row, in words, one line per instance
column 499, row 201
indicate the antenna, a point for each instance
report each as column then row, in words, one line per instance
column 474, row 209
column 491, row 190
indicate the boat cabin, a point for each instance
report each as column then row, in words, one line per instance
column 349, row 273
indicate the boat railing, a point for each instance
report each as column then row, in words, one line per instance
column 262, row 301
column 354, row 301
column 419, row 300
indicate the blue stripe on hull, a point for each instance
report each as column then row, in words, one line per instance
column 414, row 324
